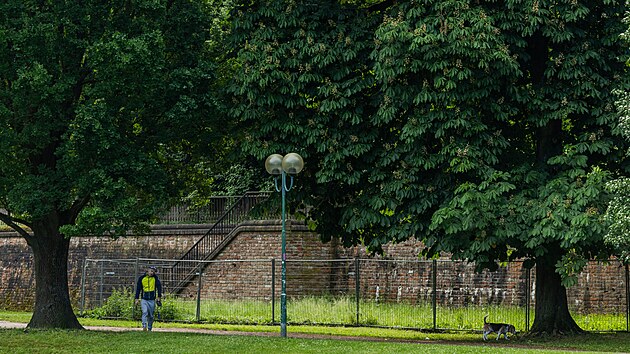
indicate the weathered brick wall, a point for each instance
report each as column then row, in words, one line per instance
column 17, row 284
column 260, row 241
column 397, row 277
column 16, row 280
column 256, row 240
column 601, row 288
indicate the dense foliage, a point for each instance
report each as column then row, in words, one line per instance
column 104, row 105
column 97, row 103
column 618, row 213
column 487, row 129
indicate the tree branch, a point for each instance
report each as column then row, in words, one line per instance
column 381, row 6
column 76, row 208
column 13, row 223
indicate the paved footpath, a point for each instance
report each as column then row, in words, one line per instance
column 9, row 325
column 17, row 325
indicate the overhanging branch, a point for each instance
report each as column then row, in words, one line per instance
column 381, row 6
column 76, row 208
column 14, row 224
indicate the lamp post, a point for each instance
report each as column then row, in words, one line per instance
column 279, row 166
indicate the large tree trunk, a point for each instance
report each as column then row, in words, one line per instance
column 52, row 299
column 552, row 311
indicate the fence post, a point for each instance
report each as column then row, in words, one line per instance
column 136, row 269
column 135, row 279
column 528, row 280
column 273, row 291
column 199, row 293
column 83, row 273
column 101, row 283
column 434, row 271
column 627, row 299
column 357, row 286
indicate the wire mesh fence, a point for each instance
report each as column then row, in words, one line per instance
column 428, row 295
column 601, row 298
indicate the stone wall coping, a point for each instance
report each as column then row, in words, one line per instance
column 200, row 229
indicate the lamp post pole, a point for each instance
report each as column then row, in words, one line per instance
column 283, row 293
column 280, row 166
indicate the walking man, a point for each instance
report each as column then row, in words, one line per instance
column 149, row 286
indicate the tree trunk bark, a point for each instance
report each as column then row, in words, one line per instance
column 552, row 311
column 53, row 308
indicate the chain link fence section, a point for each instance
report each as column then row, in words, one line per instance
column 233, row 291
column 601, row 297
column 102, row 278
column 319, row 292
column 396, row 293
column 464, row 297
column 427, row 295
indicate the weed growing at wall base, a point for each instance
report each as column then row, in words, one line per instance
column 120, row 305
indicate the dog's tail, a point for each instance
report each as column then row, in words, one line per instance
column 484, row 319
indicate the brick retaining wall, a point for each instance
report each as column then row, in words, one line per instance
column 257, row 240
column 17, row 284
column 601, row 287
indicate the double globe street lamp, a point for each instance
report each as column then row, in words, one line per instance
column 279, row 166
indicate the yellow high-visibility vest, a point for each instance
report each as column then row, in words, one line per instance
column 148, row 284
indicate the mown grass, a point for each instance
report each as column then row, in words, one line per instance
column 133, row 341
column 16, row 341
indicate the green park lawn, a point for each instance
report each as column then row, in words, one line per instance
column 313, row 339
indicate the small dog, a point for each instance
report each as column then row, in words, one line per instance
column 499, row 328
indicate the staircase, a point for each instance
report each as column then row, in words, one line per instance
column 210, row 244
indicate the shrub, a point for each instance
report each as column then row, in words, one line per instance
column 167, row 312
column 118, row 305
column 121, row 305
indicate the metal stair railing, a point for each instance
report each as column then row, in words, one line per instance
column 185, row 269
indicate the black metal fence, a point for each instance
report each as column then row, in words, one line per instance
column 218, row 235
column 190, row 214
column 427, row 295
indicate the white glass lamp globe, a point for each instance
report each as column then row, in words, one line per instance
column 273, row 164
column 292, row 163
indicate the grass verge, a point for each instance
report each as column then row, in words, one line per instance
column 373, row 340
column 16, row 341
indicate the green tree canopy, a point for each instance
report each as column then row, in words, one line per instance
column 486, row 130
column 102, row 105
column 618, row 213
